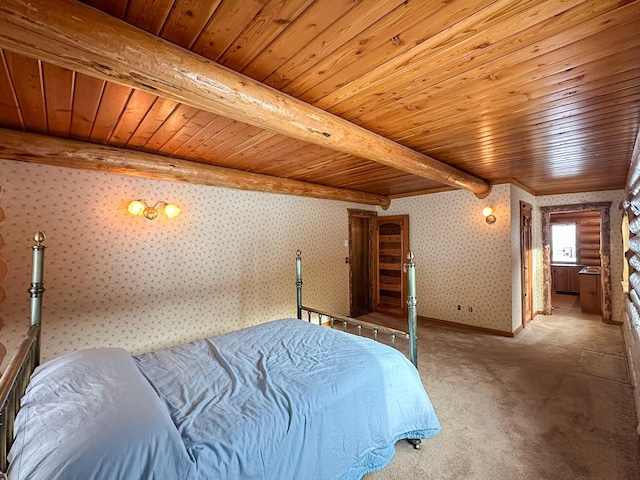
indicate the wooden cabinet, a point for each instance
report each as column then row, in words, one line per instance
column 391, row 246
column 574, row 279
column 566, row 278
column 590, row 291
column 560, row 279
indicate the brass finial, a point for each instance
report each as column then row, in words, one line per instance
column 410, row 257
column 39, row 238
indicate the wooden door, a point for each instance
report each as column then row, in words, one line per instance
column 526, row 262
column 391, row 245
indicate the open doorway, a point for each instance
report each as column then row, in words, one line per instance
column 378, row 248
column 579, row 269
column 361, row 225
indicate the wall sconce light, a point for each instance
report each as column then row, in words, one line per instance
column 139, row 207
column 487, row 212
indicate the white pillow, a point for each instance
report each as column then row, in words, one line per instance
column 92, row 414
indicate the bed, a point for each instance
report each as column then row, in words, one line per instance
column 279, row 400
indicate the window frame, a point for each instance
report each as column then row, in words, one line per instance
column 575, row 259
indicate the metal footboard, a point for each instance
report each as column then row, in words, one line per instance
column 329, row 319
column 12, row 387
column 360, row 325
column 15, row 378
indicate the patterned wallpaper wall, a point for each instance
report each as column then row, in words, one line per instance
column 228, row 261
column 460, row 259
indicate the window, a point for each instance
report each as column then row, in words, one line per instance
column 563, row 243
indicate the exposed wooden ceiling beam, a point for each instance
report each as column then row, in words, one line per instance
column 35, row 148
column 72, row 35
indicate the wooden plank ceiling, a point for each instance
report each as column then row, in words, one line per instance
column 545, row 93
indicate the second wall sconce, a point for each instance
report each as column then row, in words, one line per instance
column 487, row 212
column 139, row 207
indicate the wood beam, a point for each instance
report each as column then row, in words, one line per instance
column 35, row 148
column 72, row 35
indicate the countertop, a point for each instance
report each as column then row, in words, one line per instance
column 590, row 271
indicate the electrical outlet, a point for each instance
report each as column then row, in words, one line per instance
column 459, row 307
column 470, row 309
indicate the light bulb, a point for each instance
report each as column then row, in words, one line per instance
column 486, row 211
column 136, row 207
column 171, row 210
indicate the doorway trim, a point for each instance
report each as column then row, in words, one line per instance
column 370, row 214
column 605, row 255
column 526, row 261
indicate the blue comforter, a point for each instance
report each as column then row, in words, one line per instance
column 281, row 400
column 290, row 400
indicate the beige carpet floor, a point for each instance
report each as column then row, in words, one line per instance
column 552, row 403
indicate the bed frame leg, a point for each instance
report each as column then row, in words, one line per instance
column 415, row 442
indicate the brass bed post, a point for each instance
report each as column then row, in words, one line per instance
column 37, row 289
column 299, row 282
column 410, row 268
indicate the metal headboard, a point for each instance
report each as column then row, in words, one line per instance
column 15, row 378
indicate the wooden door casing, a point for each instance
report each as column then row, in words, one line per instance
column 526, row 262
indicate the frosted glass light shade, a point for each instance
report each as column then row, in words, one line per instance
column 136, row 207
column 171, row 210
column 486, row 211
